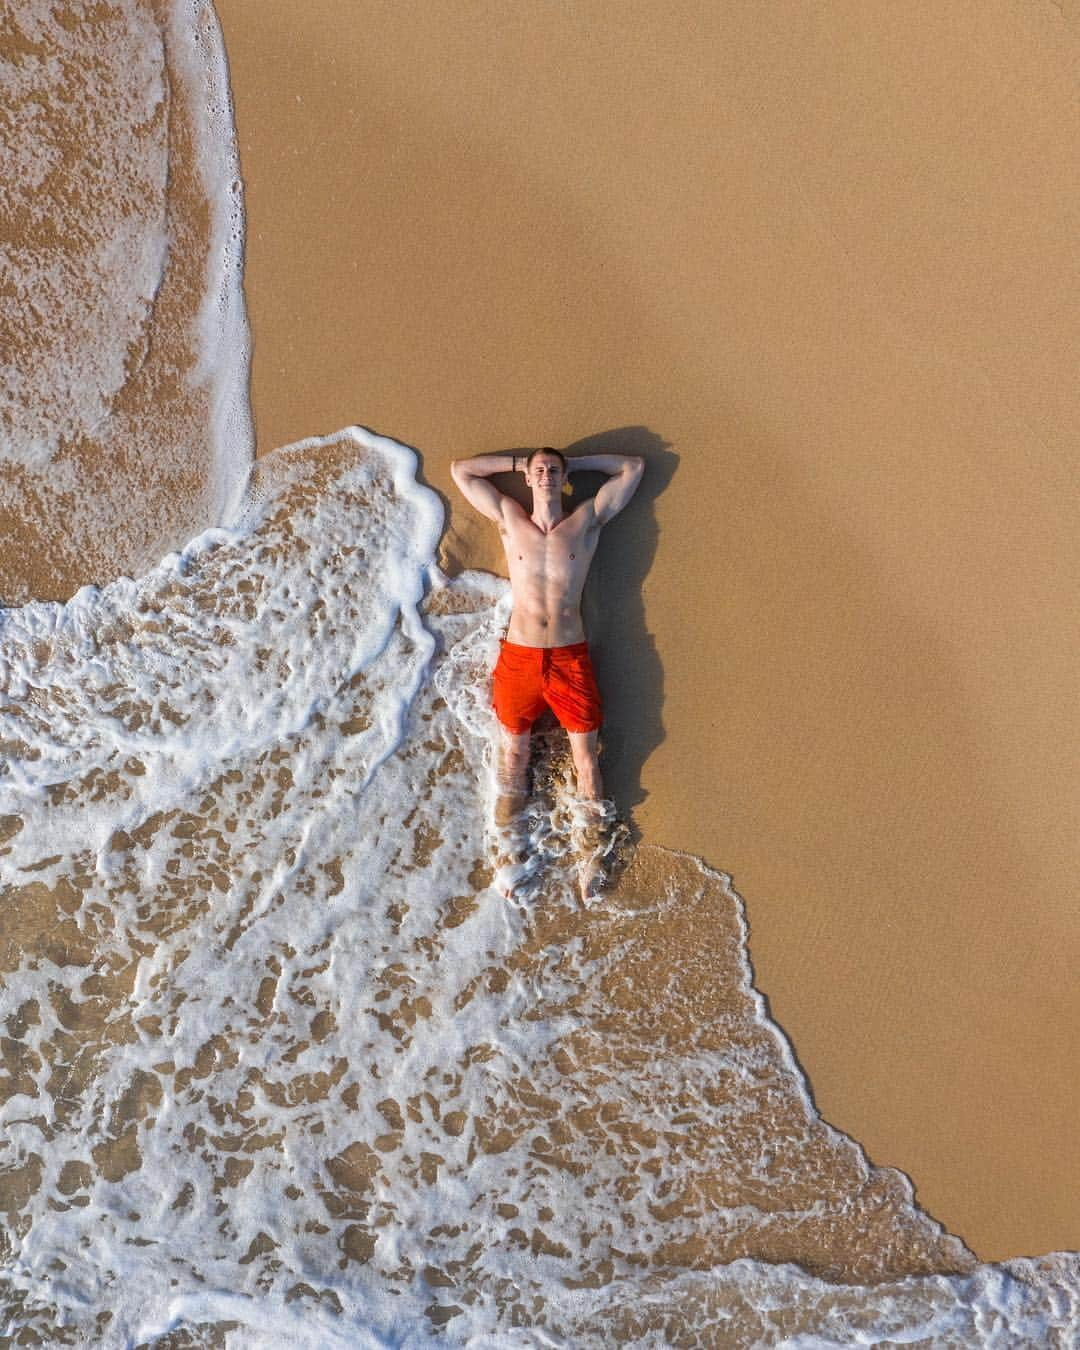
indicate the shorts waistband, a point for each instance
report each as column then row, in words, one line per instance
column 524, row 647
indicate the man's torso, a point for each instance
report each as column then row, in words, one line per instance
column 547, row 576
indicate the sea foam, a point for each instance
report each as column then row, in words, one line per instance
column 280, row 1058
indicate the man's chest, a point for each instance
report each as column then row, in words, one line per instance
column 565, row 551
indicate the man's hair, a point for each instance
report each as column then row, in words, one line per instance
column 546, row 450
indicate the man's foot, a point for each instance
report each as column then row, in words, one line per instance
column 594, row 826
column 512, row 879
column 515, row 859
column 592, row 880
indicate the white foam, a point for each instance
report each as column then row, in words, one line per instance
column 278, row 1053
column 224, row 351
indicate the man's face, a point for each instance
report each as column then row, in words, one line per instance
column 545, row 474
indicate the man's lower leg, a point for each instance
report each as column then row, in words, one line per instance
column 511, row 774
column 585, row 749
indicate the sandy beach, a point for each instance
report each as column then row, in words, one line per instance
column 818, row 264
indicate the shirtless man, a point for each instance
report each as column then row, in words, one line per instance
column 544, row 659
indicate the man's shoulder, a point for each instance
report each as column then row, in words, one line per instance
column 513, row 513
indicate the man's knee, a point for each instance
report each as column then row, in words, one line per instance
column 513, row 760
column 584, row 744
column 586, row 757
column 515, row 751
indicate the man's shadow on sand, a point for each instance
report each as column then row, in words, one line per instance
column 625, row 658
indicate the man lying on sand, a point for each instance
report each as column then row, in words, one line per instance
column 544, row 658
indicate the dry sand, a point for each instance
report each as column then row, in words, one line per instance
column 819, row 263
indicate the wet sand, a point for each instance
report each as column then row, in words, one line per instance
column 819, row 266
column 110, row 381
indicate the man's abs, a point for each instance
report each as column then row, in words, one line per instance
column 529, row 628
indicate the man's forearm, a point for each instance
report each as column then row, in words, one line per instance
column 608, row 464
column 483, row 466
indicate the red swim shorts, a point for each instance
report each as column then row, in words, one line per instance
column 529, row 679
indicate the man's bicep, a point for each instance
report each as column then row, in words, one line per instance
column 614, row 494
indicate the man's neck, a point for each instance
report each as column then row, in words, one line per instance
column 546, row 512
